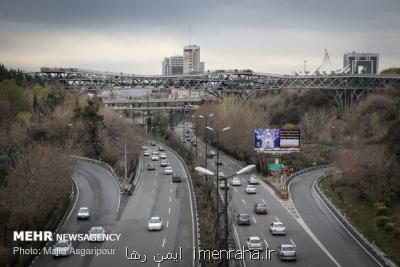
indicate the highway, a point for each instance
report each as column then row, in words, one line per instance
column 324, row 225
column 97, row 190
column 155, row 195
column 319, row 239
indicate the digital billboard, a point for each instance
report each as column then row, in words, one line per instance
column 276, row 139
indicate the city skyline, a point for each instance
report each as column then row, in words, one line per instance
column 132, row 37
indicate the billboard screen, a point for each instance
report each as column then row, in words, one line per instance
column 276, row 138
column 266, row 138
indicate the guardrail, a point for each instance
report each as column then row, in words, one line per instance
column 196, row 212
column 309, row 169
column 378, row 254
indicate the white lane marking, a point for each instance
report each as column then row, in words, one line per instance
column 158, row 265
column 170, row 190
column 244, row 202
column 266, row 244
column 235, row 189
column 254, row 220
column 291, row 240
column 276, row 218
column 323, row 202
column 167, row 223
column 170, row 199
column 263, row 201
column 163, row 243
column 76, row 199
column 169, row 210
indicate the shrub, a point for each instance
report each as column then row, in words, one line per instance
column 389, row 227
column 382, row 211
column 380, row 221
column 340, row 182
column 396, row 233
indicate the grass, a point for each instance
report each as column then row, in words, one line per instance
column 362, row 215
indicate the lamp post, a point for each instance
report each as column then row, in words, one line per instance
column 206, row 118
column 194, row 116
column 204, row 171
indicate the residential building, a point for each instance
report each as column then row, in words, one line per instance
column 191, row 59
column 172, row 65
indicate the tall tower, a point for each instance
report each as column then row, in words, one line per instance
column 191, row 59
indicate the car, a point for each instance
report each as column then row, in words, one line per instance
column 163, row 163
column 218, row 162
column 194, row 144
column 62, row 248
column 152, row 143
column 146, row 153
column 253, row 180
column 221, row 176
column 154, row 158
column 243, row 219
column 183, row 139
column 236, row 181
column 222, row 185
column 277, row 228
column 163, row 156
column 154, row 224
column 176, row 178
column 287, row 252
column 160, row 148
column 168, row 170
column 154, row 153
column 260, row 208
column 250, row 189
column 151, row 166
column 254, row 243
column 96, row 234
column 144, row 147
column 83, row 213
column 211, row 154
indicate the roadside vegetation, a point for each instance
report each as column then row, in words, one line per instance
column 41, row 125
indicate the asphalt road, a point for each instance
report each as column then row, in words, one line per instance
column 99, row 191
column 319, row 239
column 155, row 195
column 323, row 223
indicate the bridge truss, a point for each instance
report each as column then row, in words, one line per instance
column 348, row 88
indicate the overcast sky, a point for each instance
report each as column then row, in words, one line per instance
column 133, row 36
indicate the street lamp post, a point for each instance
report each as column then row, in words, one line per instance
column 206, row 118
column 197, row 154
column 242, row 171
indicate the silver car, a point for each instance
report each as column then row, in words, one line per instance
column 97, row 234
column 62, row 248
column 83, row 213
column 287, row 252
column 254, row 243
column 155, row 224
column 277, row 228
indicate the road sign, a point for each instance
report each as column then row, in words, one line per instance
column 275, row 167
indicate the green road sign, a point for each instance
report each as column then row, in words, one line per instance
column 275, row 167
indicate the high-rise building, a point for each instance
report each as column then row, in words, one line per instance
column 191, row 59
column 202, row 66
column 172, row 65
column 361, row 63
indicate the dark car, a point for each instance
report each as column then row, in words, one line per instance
column 211, row 154
column 176, row 178
column 260, row 208
column 160, row 148
column 243, row 219
column 152, row 143
column 218, row 162
column 151, row 166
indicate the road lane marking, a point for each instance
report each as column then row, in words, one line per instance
column 266, row 244
column 291, row 240
column 254, row 220
column 167, row 223
column 169, row 210
column 170, row 190
column 276, row 218
column 263, row 201
column 244, row 202
column 170, row 199
column 163, row 243
column 235, row 189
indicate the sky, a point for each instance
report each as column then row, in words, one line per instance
column 131, row 36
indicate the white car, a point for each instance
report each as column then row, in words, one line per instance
column 155, row 224
column 97, row 234
column 221, row 185
column 62, row 248
column 277, row 228
column 253, row 180
column 83, row 213
column 163, row 156
column 250, row 189
column 236, row 181
column 163, row 163
column 254, row 243
column 144, row 147
column 168, row 170
column 146, row 153
column 154, row 158
column 287, row 252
